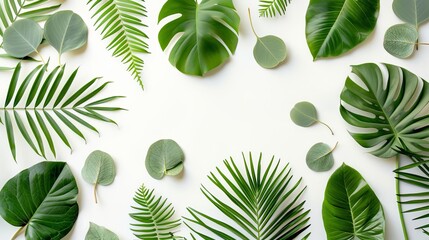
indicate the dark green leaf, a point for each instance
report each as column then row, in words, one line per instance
column 270, row 8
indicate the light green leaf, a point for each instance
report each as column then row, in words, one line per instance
column 351, row 210
column 270, row 8
column 400, row 40
column 319, row 158
column 66, row 31
column 334, row 27
column 22, row 38
column 6, row 68
column 414, row 12
column 164, row 157
column 96, row 232
column 269, row 51
column 304, row 114
column 99, row 169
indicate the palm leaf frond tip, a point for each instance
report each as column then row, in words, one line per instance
column 270, row 8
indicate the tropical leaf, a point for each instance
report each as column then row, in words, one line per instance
column 209, row 33
column 120, row 21
column 257, row 204
column 334, row 27
column 271, row 8
column 40, row 105
column 389, row 115
column 153, row 217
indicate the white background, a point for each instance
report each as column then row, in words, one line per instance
column 238, row 108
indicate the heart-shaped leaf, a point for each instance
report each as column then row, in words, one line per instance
column 42, row 199
column 66, row 31
column 414, row 12
column 99, row 169
column 400, row 40
column 209, row 33
column 351, row 210
column 334, row 27
column 319, row 158
column 96, row 232
column 164, row 157
column 22, row 38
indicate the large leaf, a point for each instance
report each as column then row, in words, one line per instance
column 255, row 204
column 414, row 12
column 210, row 33
column 334, row 27
column 388, row 115
column 42, row 199
column 120, row 21
column 22, row 38
column 153, row 216
column 351, row 210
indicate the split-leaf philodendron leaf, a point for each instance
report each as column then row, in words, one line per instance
column 351, row 210
column 22, row 38
column 400, row 40
column 210, row 33
column 387, row 118
column 319, row 158
column 42, row 199
column 414, row 12
column 334, row 27
column 164, row 157
column 96, row 232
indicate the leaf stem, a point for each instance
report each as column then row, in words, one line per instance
column 336, row 144
column 398, row 199
column 95, row 194
column 20, row 230
column 422, row 43
column 330, row 129
column 41, row 57
column 251, row 23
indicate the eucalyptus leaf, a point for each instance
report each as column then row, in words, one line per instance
column 400, row 40
column 96, row 232
column 319, row 158
column 414, row 12
column 66, row 31
column 42, row 200
column 99, row 169
column 304, row 114
column 22, row 38
column 269, row 51
column 164, row 157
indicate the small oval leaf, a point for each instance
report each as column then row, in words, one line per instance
column 304, row 114
column 319, row 158
column 66, row 31
column 164, row 157
column 22, row 38
column 269, row 51
column 400, row 40
column 96, row 232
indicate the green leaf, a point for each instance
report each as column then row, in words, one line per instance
column 269, row 51
column 351, row 210
column 255, row 203
column 153, row 216
column 319, row 158
column 414, row 12
column 6, row 68
column 209, row 33
column 271, row 8
column 42, row 198
column 22, row 38
column 304, row 114
column 386, row 118
column 99, row 169
column 400, row 40
column 66, row 31
column 96, row 232
column 334, row 27
column 164, row 157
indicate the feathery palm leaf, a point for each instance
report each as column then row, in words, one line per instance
column 262, row 204
column 47, row 101
column 120, row 20
column 270, row 8
column 154, row 216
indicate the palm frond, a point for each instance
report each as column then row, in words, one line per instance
column 120, row 20
column 257, row 204
column 270, row 8
column 40, row 104
column 153, row 216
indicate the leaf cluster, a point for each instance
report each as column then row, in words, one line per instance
column 272, row 8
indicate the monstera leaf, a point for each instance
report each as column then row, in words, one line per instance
column 209, row 33
column 387, row 118
column 42, row 200
column 334, row 27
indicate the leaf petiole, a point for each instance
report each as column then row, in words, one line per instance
column 330, row 129
column 95, row 193
column 251, row 23
column 20, row 230
column 41, row 57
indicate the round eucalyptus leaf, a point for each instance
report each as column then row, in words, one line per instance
column 319, row 158
column 269, row 51
column 164, row 157
column 96, row 232
column 400, row 40
column 66, row 31
column 99, row 169
column 412, row 11
column 304, row 114
column 22, row 38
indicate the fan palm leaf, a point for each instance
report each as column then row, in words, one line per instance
column 257, row 204
column 153, row 216
column 272, row 8
column 41, row 105
column 120, row 20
